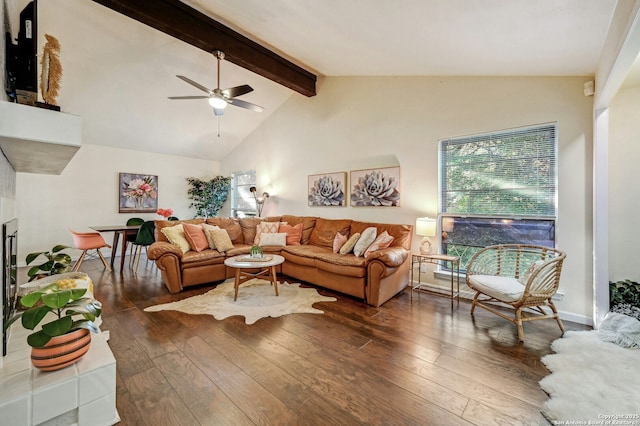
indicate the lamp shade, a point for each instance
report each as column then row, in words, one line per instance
column 425, row 227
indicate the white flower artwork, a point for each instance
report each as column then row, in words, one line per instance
column 376, row 187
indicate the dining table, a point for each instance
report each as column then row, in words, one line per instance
column 118, row 230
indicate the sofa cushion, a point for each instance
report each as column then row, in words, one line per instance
column 326, row 229
column 265, row 228
column 402, row 234
column 202, row 256
column 350, row 244
column 383, row 240
column 221, row 240
column 195, row 236
column 231, row 225
column 338, row 242
column 159, row 224
column 294, row 233
column 273, row 239
column 175, row 235
column 248, row 226
column 368, row 236
column 308, row 224
column 206, row 228
column 506, row 289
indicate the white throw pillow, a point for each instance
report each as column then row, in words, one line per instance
column 368, row 236
column 273, row 239
column 534, row 266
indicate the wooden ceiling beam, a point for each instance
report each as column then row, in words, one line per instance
column 181, row 21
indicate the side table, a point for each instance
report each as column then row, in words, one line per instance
column 436, row 259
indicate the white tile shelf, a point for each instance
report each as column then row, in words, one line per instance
column 82, row 394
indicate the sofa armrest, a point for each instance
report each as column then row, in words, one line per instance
column 391, row 256
column 160, row 248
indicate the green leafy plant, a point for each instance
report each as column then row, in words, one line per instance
column 624, row 292
column 57, row 262
column 72, row 311
column 208, row 196
column 256, row 251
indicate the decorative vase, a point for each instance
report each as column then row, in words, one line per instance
column 61, row 351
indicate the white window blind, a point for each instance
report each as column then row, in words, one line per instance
column 510, row 172
column 242, row 201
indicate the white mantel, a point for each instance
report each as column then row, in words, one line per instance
column 38, row 140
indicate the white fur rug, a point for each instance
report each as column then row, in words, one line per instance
column 256, row 299
column 591, row 380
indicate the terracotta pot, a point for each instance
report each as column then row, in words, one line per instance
column 61, row 351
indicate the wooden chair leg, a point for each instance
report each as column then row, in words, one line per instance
column 519, row 324
column 556, row 316
column 137, row 256
column 475, row 301
column 104, row 261
column 78, row 263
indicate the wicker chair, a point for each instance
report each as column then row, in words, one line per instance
column 523, row 276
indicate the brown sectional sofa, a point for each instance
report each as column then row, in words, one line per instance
column 375, row 279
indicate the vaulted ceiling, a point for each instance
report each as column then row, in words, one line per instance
column 365, row 38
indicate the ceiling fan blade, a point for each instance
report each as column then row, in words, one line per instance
column 218, row 111
column 232, row 92
column 193, row 83
column 188, row 97
column 245, row 104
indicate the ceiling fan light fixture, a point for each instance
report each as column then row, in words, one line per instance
column 217, row 103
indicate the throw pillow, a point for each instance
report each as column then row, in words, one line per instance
column 350, row 244
column 384, row 240
column 175, row 235
column 365, row 240
column 273, row 239
column 338, row 242
column 221, row 240
column 267, row 228
column 294, row 233
column 534, row 266
column 196, row 237
column 206, row 227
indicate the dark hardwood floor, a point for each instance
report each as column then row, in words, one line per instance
column 420, row 363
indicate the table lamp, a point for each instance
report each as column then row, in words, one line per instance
column 425, row 227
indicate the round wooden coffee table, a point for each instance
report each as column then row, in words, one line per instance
column 267, row 268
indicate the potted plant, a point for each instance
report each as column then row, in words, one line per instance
column 66, row 316
column 56, row 263
column 256, row 251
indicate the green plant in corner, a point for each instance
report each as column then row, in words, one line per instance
column 57, row 262
column 208, row 196
column 72, row 311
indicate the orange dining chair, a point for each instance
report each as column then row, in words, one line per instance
column 86, row 241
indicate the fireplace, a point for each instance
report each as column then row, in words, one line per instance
column 9, row 274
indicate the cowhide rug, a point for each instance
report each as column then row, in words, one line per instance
column 256, row 299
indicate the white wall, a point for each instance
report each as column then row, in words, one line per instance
column 363, row 122
column 624, row 175
column 86, row 193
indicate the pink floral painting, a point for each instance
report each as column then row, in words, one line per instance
column 138, row 193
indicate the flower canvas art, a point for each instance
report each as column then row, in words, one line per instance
column 327, row 189
column 376, row 187
column 138, row 193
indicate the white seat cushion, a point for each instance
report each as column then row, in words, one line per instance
column 502, row 288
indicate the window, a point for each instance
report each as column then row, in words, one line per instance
column 242, row 202
column 498, row 188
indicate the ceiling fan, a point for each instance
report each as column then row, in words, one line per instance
column 220, row 98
